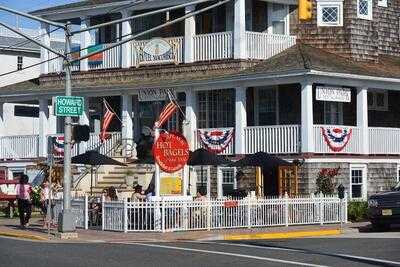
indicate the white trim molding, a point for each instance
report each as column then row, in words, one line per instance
column 330, row 13
column 364, row 181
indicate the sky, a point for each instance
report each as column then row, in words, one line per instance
column 25, row 6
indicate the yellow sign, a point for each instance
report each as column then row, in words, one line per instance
column 171, row 185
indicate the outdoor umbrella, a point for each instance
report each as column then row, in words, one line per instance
column 94, row 158
column 267, row 162
column 202, row 157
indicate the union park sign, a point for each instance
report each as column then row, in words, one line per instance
column 68, row 106
column 171, row 151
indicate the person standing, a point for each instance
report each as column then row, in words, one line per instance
column 44, row 200
column 24, row 190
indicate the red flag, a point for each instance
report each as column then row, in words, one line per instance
column 165, row 114
column 108, row 116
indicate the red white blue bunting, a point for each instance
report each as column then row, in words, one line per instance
column 216, row 140
column 337, row 137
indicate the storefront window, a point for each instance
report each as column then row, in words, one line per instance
column 216, row 108
column 333, row 113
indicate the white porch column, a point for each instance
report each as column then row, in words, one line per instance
column 307, row 133
column 44, row 53
column 362, row 118
column 127, row 123
column 2, row 126
column 43, row 124
column 126, row 51
column 84, row 120
column 241, row 120
column 190, row 32
column 239, row 31
column 84, row 42
column 136, row 119
column 191, row 126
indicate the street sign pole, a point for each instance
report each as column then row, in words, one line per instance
column 67, row 219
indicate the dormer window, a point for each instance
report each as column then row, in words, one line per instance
column 330, row 13
column 364, row 9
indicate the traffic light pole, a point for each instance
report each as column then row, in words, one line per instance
column 67, row 220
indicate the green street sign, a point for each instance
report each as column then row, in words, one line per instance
column 68, row 106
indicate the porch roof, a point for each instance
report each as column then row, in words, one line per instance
column 299, row 61
column 301, row 58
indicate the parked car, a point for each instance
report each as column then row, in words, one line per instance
column 384, row 208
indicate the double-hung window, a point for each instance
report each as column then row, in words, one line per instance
column 227, row 177
column 20, row 63
column 330, row 13
column 358, row 181
column 378, row 100
column 364, row 9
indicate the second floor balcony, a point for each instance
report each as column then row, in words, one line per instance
column 244, row 30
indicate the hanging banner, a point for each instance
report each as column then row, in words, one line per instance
column 171, row 151
column 337, row 137
column 156, row 51
column 216, row 140
column 98, row 58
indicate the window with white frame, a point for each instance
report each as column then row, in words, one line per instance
column 228, row 179
column 201, row 182
column 20, row 62
column 329, row 13
column 382, row 3
column 278, row 19
column 364, row 9
column 378, row 100
column 266, row 106
column 358, row 183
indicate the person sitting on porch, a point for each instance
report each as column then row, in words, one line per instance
column 112, row 194
column 150, row 191
column 200, row 196
column 138, row 195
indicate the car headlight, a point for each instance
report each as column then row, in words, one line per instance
column 373, row 203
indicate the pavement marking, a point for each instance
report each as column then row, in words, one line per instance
column 22, row 235
column 282, row 235
column 376, row 260
column 226, row 254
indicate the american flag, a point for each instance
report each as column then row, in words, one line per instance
column 108, row 117
column 166, row 113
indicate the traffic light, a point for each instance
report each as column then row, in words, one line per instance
column 80, row 133
column 305, row 10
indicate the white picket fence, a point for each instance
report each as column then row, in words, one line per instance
column 79, row 207
column 169, row 216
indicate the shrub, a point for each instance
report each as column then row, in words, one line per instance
column 325, row 183
column 357, row 211
column 35, row 196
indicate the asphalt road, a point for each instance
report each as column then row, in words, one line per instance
column 296, row 252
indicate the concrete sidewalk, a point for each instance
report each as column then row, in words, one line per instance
column 9, row 228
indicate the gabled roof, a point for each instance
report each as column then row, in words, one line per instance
column 301, row 57
column 22, row 44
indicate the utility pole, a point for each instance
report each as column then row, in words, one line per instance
column 67, row 220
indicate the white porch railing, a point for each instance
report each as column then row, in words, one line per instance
column 19, row 146
column 230, row 150
column 279, row 139
column 188, row 215
column 213, row 46
column 262, row 45
column 384, row 140
column 111, row 59
column 175, row 42
column 107, row 146
column 354, row 146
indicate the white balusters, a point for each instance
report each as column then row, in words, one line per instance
column 213, row 46
column 262, row 45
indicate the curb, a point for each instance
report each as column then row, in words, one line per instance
column 282, row 235
column 23, row 236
